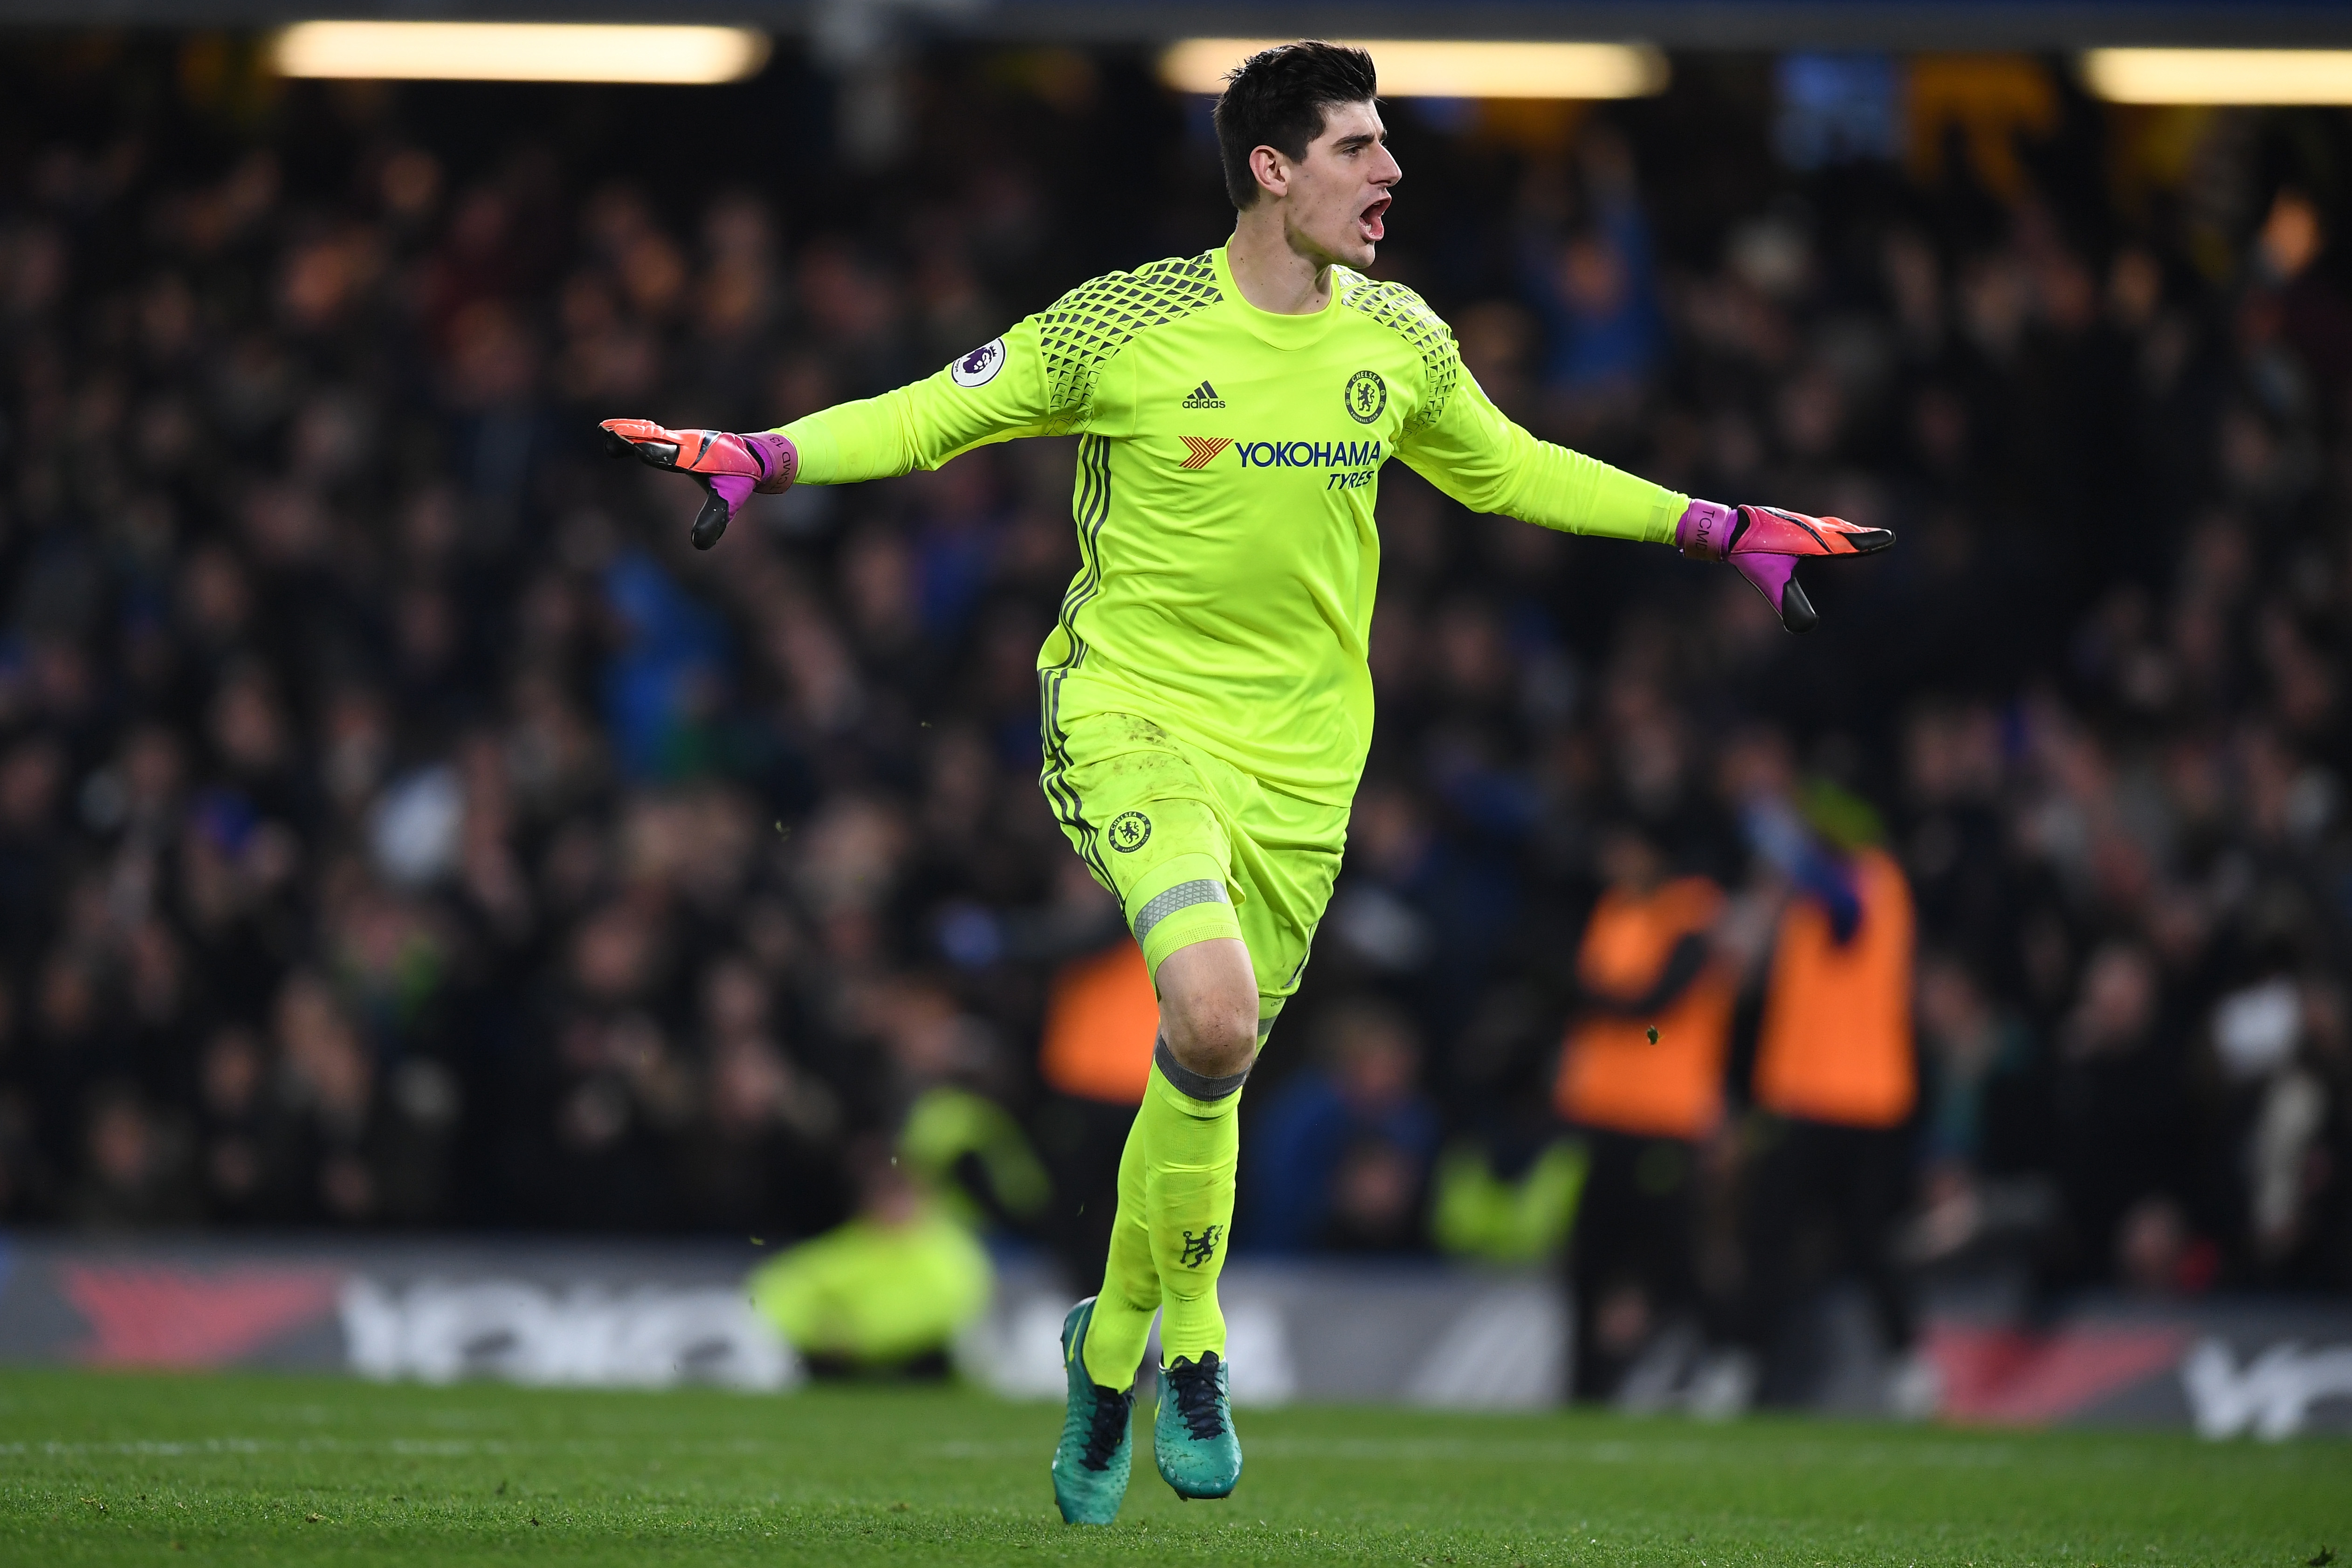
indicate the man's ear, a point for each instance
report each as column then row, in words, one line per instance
column 1271, row 170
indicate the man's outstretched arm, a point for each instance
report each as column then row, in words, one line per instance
column 994, row 392
column 1474, row 453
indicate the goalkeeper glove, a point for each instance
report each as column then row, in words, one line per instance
column 1763, row 543
column 731, row 467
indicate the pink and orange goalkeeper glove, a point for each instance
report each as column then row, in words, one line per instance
column 731, row 467
column 1763, row 544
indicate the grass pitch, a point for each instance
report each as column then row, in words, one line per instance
column 150, row 1469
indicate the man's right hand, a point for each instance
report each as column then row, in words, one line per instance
column 731, row 467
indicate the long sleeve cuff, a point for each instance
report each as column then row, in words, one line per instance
column 819, row 450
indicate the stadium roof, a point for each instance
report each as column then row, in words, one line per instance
column 1678, row 23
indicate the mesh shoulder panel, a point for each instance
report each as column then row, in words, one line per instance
column 1404, row 312
column 1084, row 328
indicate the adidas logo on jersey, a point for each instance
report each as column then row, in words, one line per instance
column 1203, row 397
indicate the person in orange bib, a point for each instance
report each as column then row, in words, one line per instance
column 1835, row 1079
column 1640, row 1081
column 1094, row 1057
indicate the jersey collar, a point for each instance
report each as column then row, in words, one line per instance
column 1274, row 330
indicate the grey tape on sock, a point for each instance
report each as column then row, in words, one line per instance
column 1189, row 1082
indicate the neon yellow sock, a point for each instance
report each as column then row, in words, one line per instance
column 1130, row 1288
column 1192, row 1150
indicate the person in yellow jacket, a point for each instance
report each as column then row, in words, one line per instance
column 885, row 1292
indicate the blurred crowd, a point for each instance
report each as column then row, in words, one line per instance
column 400, row 827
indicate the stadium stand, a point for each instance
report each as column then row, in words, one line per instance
column 400, row 827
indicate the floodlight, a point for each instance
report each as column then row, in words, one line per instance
column 519, row 51
column 1425, row 67
column 2219, row 76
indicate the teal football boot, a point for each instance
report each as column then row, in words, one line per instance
column 1193, row 1437
column 1091, row 1462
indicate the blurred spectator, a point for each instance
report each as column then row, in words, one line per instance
column 135, row 1166
column 1102, row 1016
column 1641, row 1078
column 2124, row 1133
column 885, row 1292
column 241, row 1154
column 1482, row 1216
column 1834, row 1076
column 761, row 1155
column 1339, row 1154
column 1977, row 1070
column 1596, row 286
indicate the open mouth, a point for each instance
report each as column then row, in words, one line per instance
column 1369, row 220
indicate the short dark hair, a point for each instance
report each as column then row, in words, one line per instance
column 1277, row 98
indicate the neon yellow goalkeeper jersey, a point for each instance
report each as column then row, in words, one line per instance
column 1228, row 463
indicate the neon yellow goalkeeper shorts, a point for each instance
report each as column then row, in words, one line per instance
column 1194, row 847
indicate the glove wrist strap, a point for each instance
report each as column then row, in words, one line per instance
column 780, row 460
column 1706, row 530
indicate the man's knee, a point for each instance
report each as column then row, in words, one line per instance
column 1208, row 1009
column 1212, row 1039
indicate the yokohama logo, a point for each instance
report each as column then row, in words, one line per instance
column 1204, row 448
column 1308, row 454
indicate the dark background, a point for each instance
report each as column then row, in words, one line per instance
column 400, row 827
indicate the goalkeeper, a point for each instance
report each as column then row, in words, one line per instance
column 1206, row 705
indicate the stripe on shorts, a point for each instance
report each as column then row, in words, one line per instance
column 1092, row 511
